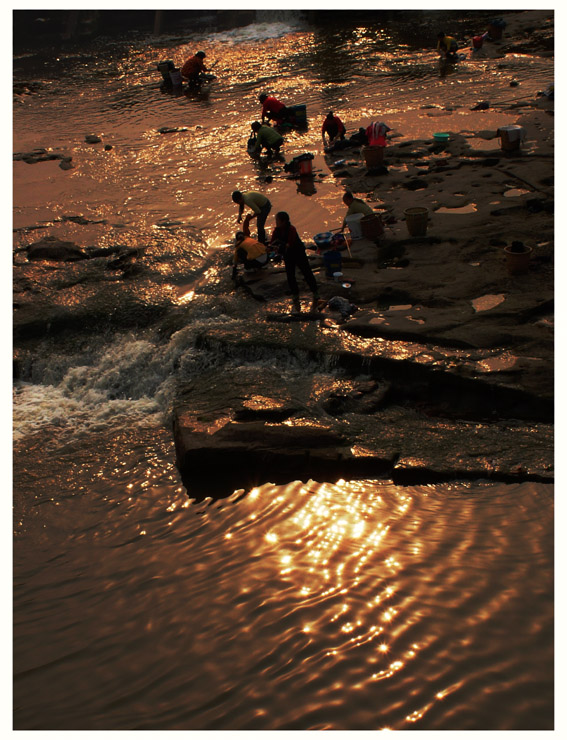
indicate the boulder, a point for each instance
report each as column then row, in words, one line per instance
column 51, row 248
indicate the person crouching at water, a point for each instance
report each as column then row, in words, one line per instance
column 446, row 46
column 273, row 109
column 266, row 138
column 260, row 206
column 193, row 67
column 287, row 242
column 333, row 127
column 355, row 205
column 248, row 252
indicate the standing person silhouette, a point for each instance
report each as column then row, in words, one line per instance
column 288, row 243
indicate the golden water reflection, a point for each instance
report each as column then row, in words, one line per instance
column 334, row 551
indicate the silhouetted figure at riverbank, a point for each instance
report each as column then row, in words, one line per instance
column 193, row 67
column 248, row 252
column 265, row 137
column 260, row 206
column 274, row 110
column 289, row 245
column 334, row 128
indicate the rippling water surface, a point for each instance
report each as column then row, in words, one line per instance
column 358, row 605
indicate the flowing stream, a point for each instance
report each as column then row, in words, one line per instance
column 357, row 605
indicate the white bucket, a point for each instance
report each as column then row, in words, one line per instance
column 353, row 223
column 511, row 137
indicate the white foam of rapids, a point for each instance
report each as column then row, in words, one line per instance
column 254, row 32
column 130, row 381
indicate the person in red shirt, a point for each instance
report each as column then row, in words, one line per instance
column 193, row 67
column 333, row 127
column 274, row 109
column 288, row 244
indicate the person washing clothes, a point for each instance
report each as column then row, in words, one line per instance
column 333, row 127
column 260, row 206
column 447, row 47
column 287, row 242
column 193, row 67
column 248, row 252
column 267, row 138
column 355, row 205
column 273, row 109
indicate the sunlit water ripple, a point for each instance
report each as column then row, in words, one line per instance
column 351, row 606
column 358, row 605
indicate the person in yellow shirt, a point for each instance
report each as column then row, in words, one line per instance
column 248, row 252
column 447, row 46
column 260, row 206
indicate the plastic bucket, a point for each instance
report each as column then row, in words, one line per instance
column 510, row 137
column 299, row 114
column 416, row 220
column 305, row 167
column 517, row 263
column 175, row 77
column 353, row 223
column 477, row 42
column 373, row 155
column 441, row 138
column 371, row 227
column 333, row 262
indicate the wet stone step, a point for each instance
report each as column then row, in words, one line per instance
column 236, row 428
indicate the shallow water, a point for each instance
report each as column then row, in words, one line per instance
column 359, row 605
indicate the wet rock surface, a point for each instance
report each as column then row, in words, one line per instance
column 326, row 428
column 444, row 372
column 464, row 348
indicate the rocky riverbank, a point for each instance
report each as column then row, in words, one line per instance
column 448, row 364
column 444, row 372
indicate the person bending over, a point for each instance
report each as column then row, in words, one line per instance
column 266, row 138
column 355, row 205
column 193, row 67
column 260, row 206
column 273, row 109
column 333, row 127
column 248, row 252
column 446, row 46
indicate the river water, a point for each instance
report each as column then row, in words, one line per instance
column 356, row 605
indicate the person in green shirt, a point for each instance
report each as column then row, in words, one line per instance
column 260, row 206
column 266, row 138
column 355, row 205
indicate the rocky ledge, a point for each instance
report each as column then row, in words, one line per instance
column 446, row 369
